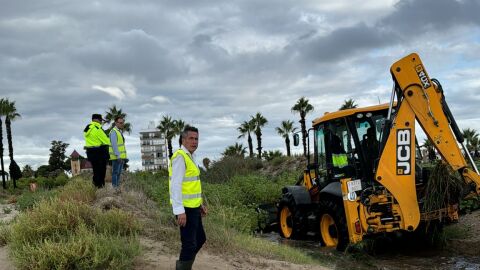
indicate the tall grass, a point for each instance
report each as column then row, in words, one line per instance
column 231, row 194
column 66, row 232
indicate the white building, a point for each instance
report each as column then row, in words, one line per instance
column 153, row 149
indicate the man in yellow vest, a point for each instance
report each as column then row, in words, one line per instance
column 117, row 151
column 96, row 145
column 186, row 198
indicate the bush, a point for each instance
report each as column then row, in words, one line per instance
column 223, row 170
column 68, row 234
column 116, row 222
column 50, row 219
column 28, row 199
column 79, row 190
column 83, row 250
column 4, row 234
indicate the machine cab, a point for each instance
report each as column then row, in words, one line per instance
column 347, row 144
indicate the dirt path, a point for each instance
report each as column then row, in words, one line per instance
column 156, row 257
column 5, row 263
column 7, row 213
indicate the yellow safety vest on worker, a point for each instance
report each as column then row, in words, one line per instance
column 95, row 136
column 120, row 145
column 191, row 186
column 340, row 160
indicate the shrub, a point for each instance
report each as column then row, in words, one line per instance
column 83, row 250
column 50, row 219
column 116, row 222
column 79, row 190
column 223, row 170
column 28, row 199
column 68, row 234
column 4, row 234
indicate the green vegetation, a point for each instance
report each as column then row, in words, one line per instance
column 231, row 200
column 63, row 231
column 443, row 187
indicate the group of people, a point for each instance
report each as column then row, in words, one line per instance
column 101, row 148
column 184, row 180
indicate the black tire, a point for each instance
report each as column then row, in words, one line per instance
column 332, row 224
column 287, row 218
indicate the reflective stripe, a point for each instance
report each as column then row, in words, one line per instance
column 188, row 179
column 191, row 196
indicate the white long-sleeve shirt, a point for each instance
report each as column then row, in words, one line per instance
column 178, row 172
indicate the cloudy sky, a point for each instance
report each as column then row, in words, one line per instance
column 216, row 63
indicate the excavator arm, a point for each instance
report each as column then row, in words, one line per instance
column 426, row 99
column 421, row 99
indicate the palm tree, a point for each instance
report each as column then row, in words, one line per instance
column 430, row 149
column 110, row 116
column 303, row 107
column 2, row 113
column 178, row 126
column 11, row 114
column 167, row 128
column 235, row 150
column 246, row 128
column 475, row 144
column 470, row 136
column 284, row 130
column 259, row 121
column 348, row 104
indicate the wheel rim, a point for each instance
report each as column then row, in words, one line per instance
column 285, row 222
column 329, row 231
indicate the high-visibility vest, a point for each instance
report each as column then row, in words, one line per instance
column 339, row 160
column 94, row 135
column 120, row 144
column 191, row 186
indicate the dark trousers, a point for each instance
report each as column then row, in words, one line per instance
column 192, row 235
column 98, row 157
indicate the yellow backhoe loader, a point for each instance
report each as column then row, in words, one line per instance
column 363, row 179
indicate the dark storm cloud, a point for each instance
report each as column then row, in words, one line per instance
column 130, row 53
column 343, row 42
column 413, row 18
column 214, row 63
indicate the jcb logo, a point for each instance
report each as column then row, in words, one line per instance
column 403, row 151
column 422, row 75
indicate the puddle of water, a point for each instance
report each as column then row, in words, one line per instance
column 390, row 258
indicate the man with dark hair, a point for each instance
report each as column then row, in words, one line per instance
column 117, row 151
column 96, row 145
column 186, row 198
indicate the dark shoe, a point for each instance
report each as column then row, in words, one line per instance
column 184, row 265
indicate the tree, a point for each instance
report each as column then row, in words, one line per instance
column 27, row 171
column 430, row 149
column 206, row 163
column 303, row 108
column 259, row 121
column 15, row 172
column 2, row 113
column 43, row 171
column 10, row 112
column 178, row 126
column 348, row 104
column 56, row 162
column 246, row 128
column 284, row 130
column 237, row 150
column 471, row 136
column 110, row 116
column 270, row 155
column 167, row 128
